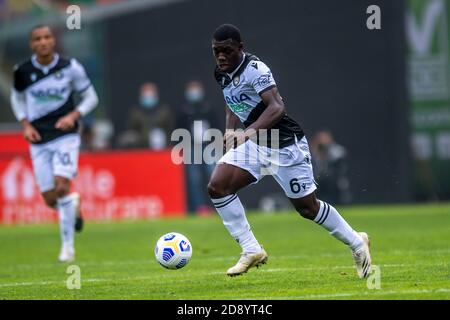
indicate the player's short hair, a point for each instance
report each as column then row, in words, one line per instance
column 227, row 31
column 39, row 26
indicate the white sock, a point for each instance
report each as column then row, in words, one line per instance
column 66, row 210
column 330, row 219
column 233, row 215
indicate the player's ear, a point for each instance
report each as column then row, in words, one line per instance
column 241, row 45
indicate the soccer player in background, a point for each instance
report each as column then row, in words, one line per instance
column 252, row 98
column 42, row 101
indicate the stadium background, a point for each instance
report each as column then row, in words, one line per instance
column 383, row 93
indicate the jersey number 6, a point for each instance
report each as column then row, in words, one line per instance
column 295, row 186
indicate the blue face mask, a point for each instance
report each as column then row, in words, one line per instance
column 148, row 101
column 194, row 95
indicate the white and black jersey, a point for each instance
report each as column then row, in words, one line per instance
column 242, row 90
column 48, row 92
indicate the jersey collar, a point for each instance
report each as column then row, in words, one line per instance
column 44, row 68
column 224, row 79
column 237, row 68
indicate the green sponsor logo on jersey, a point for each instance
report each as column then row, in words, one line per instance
column 237, row 103
column 48, row 95
column 239, row 107
column 46, row 99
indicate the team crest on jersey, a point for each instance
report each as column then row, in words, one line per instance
column 236, row 80
column 265, row 79
column 58, row 75
column 33, row 77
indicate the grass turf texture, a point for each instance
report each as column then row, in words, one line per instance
column 411, row 244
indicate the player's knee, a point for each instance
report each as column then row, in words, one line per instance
column 217, row 189
column 62, row 189
column 306, row 213
column 50, row 200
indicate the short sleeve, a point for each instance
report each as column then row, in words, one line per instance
column 18, row 81
column 261, row 77
column 80, row 80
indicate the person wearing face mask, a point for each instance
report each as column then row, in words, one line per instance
column 197, row 117
column 150, row 123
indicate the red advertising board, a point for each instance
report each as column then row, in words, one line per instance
column 12, row 142
column 113, row 185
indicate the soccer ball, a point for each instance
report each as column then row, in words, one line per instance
column 173, row 251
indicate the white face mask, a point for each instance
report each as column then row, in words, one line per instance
column 148, row 101
column 194, row 95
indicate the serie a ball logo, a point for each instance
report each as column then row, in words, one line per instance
column 173, row 250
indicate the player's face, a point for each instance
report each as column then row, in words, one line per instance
column 42, row 42
column 228, row 54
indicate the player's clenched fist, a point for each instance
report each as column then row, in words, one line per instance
column 31, row 134
column 234, row 138
column 68, row 121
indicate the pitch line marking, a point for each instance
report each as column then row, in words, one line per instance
column 306, row 268
column 372, row 293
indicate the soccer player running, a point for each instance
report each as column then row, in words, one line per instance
column 252, row 98
column 42, row 101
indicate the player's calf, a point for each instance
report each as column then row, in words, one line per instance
column 307, row 207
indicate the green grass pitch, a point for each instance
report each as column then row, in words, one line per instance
column 410, row 244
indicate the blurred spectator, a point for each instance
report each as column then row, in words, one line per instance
column 197, row 116
column 103, row 132
column 151, row 122
column 330, row 168
column 96, row 134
